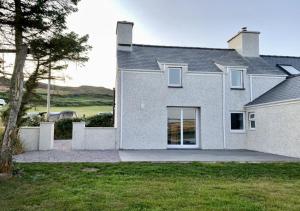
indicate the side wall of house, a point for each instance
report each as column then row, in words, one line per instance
column 146, row 97
column 143, row 97
column 277, row 130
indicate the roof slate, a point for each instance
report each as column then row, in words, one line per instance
column 286, row 90
column 287, row 60
column 146, row 57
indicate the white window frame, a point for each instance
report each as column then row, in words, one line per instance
column 244, row 126
column 175, row 85
column 251, row 120
column 242, row 78
column 181, row 145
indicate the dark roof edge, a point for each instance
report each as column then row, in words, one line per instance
column 296, row 57
column 187, row 47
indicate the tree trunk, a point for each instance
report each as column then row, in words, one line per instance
column 17, row 83
column 16, row 93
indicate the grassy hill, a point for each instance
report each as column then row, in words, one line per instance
column 66, row 96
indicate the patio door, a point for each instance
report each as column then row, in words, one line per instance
column 183, row 127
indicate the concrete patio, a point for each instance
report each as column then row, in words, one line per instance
column 62, row 152
column 201, row 156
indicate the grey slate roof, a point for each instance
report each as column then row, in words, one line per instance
column 146, row 57
column 287, row 60
column 286, row 90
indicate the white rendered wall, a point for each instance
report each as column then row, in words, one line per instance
column 277, row 130
column 100, row 138
column 144, row 108
column 46, row 138
column 143, row 97
column 29, row 137
column 93, row 138
column 262, row 84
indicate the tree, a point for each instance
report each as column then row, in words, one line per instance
column 68, row 47
column 21, row 22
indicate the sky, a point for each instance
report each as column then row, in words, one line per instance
column 198, row 23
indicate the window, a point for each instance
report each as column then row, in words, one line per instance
column 289, row 69
column 175, row 77
column 251, row 118
column 237, row 121
column 236, row 78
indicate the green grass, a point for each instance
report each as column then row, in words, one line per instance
column 85, row 110
column 144, row 186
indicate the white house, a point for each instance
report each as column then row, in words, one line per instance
column 206, row 98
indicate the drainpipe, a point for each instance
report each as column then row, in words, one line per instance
column 224, row 109
column 251, row 88
column 121, row 105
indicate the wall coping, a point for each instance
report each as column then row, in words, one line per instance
column 108, row 128
column 29, row 127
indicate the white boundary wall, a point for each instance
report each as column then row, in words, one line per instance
column 93, row 138
column 29, row 137
column 37, row 138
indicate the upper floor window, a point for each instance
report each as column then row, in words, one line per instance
column 236, row 79
column 175, row 77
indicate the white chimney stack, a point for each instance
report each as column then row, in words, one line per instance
column 124, row 35
column 246, row 43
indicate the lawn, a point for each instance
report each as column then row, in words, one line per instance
column 80, row 110
column 146, row 186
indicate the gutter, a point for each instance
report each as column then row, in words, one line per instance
column 274, row 103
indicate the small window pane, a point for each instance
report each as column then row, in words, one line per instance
column 237, row 121
column 236, row 78
column 252, row 124
column 175, row 76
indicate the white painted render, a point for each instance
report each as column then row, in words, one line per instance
column 143, row 97
column 37, row 138
column 29, row 137
column 93, row 138
column 124, row 36
column 246, row 43
column 46, row 136
column 277, row 129
column 262, row 84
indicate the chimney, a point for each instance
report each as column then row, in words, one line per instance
column 124, row 36
column 246, row 43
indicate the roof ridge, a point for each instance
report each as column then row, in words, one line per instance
column 187, row 47
column 296, row 57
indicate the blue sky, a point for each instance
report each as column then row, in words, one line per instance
column 203, row 23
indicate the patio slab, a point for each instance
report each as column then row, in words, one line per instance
column 201, row 156
column 58, row 156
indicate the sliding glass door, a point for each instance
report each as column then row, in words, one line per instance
column 182, row 127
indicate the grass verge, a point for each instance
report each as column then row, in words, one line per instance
column 144, row 186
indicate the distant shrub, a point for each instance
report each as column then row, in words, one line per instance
column 101, row 120
column 63, row 128
column 32, row 122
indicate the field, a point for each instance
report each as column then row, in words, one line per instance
column 149, row 186
column 80, row 110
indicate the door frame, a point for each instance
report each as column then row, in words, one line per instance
column 197, row 130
